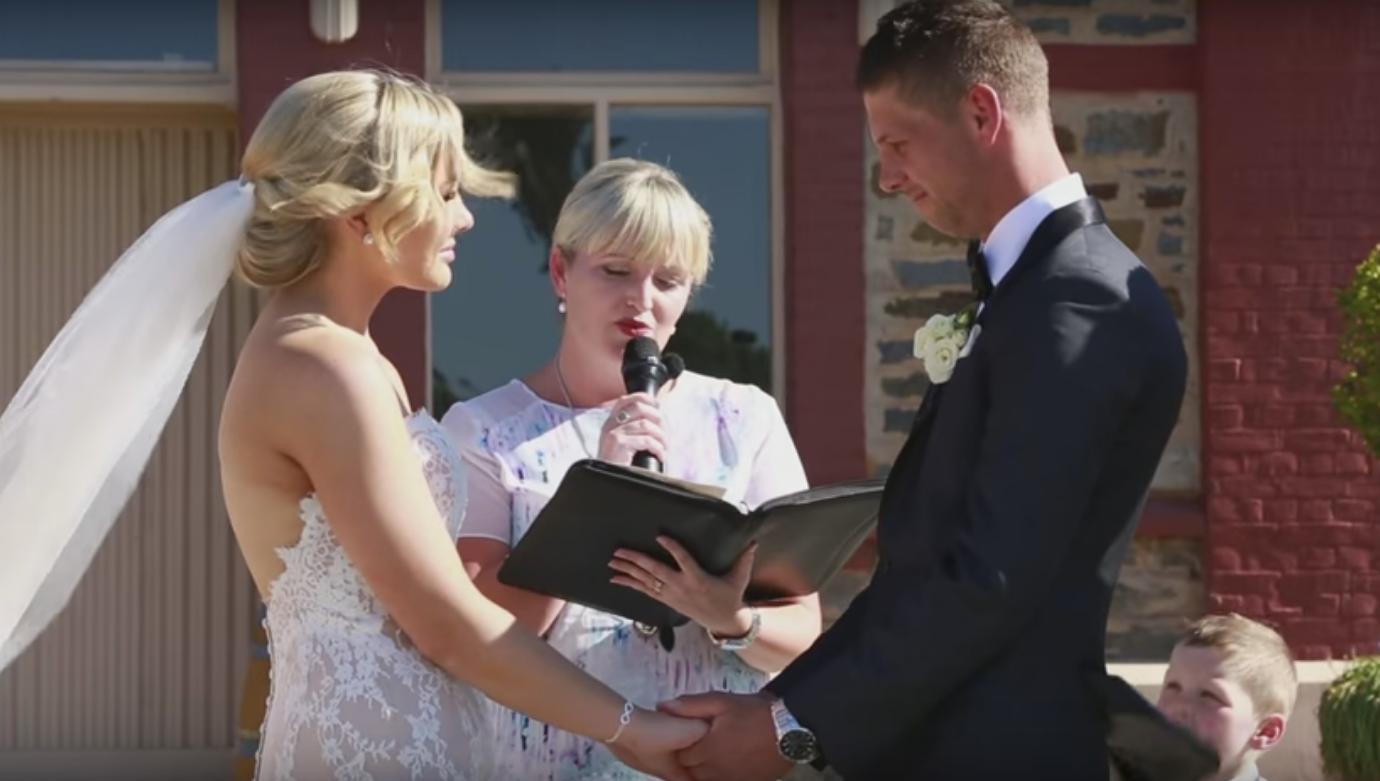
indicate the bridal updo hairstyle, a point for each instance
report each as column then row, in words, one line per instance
column 337, row 142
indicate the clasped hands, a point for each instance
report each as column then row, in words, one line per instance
column 740, row 744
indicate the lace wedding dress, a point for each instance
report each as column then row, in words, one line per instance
column 350, row 697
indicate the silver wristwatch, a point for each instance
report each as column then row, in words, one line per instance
column 795, row 743
column 739, row 643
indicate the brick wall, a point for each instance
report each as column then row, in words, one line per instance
column 274, row 47
column 1290, row 105
column 823, row 134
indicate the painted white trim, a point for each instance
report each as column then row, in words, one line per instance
column 602, row 141
column 213, row 94
column 106, row 66
column 606, row 78
column 129, row 82
column 778, row 254
column 768, row 26
column 465, row 92
column 1151, row 674
column 432, row 55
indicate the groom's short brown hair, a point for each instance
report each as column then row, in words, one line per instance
column 934, row 51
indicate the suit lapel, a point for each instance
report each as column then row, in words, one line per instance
column 1053, row 229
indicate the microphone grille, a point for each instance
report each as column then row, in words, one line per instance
column 640, row 349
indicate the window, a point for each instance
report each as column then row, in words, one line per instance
column 133, row 50
column 629, row 36
column 571, row 91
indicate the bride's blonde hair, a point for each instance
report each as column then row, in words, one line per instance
column 337, row 142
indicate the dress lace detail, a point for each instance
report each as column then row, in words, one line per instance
column 350, row 697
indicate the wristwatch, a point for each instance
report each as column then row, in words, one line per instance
column 739, row 643
column 795, row 743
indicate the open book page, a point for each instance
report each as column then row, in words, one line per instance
column 711, row 491
column 821, row 493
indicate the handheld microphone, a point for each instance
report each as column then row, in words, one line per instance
column 643, row 372
column 675, row 365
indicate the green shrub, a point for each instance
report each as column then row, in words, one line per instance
column 1358, row 395
column 1349, row 721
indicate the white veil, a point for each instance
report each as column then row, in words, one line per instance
column 68, row 466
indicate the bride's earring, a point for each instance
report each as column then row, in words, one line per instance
column 560, row 305
column 369, row 239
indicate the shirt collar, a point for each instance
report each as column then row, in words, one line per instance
column 1007, row 240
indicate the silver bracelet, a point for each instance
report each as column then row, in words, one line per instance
column 623, row 721
column 739, row 643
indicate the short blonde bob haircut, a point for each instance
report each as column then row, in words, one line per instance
column 640, row 211
column 334, row 143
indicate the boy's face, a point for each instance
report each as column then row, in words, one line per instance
column 1200, row 696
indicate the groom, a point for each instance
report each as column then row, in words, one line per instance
column 977, row 653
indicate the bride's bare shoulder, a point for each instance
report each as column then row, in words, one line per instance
column 288, row 367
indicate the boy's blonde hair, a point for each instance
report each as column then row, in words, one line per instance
column 336, row 142
column 637, row 210
column 1254, row 655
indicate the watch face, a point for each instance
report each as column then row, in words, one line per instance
column 798, row 745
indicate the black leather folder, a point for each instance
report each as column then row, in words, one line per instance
column 1142, row 743
column 804, row 537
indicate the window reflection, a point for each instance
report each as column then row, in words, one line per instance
column 128, row 35
column 528, row 36
column 723, row 154
column 498, row 318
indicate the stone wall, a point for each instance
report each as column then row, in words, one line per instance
column 1137, row 155
column 1109, row 22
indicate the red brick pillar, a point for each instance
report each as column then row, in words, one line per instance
column 1290, row 98
column 275, row 47
column 823, row 158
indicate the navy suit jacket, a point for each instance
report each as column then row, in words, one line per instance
column 1003, row 525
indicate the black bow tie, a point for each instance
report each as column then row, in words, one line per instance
column 977, row 271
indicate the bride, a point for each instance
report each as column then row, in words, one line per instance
column 345, row 505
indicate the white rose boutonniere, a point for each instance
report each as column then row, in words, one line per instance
column 939, row 343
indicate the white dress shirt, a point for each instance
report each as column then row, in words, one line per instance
column 1003, row 246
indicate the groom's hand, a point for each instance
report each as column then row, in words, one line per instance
column 741, row 743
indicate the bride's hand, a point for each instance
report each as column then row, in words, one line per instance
column 651, row 740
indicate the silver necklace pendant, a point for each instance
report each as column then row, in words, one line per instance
column 570, row 407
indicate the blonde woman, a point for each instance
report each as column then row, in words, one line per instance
column 345, row 505
column 631, row 245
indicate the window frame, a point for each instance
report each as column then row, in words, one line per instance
column 603, row 89
column 132, row 81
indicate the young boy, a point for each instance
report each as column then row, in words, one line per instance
column 1231, row 682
